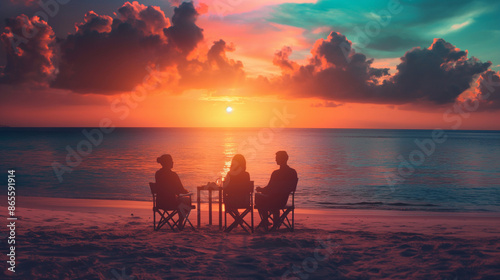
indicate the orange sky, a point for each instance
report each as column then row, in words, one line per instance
column 254, row 43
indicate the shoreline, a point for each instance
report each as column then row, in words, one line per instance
column 106, row 202
column 450, row 223
column 62, row 238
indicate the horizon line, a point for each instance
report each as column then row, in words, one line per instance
column 249, row 127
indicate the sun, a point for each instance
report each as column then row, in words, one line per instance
column 229, row 109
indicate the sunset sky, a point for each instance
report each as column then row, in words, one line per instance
column 336, row 64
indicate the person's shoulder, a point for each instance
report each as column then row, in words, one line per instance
column 160, row 171
column 243, row 176
column 293, row 171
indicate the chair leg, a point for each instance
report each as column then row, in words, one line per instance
column 264, row 220
column 239, row 219
column 191, row 224
column 169, row 218
column 251, row 217
column 154, row 220
column 186, row 220
column 234, row 224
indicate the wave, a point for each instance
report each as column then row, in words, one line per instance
column 381, row 203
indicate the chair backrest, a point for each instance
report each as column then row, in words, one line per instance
column 290, row 187
column 152, row 187
column 293, row 185
column 165, row 202
column 243, row 201
column 293, row 192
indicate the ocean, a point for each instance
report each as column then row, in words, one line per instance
column 459, row 171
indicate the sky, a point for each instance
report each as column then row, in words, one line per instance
column 312, row 63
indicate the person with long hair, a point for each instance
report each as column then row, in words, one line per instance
column 237, row 184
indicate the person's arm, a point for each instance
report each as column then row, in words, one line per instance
column 227, row 181
column 157, row 177
column 269, row 188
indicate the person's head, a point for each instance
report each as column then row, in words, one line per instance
column 239, row 162
column 281, row 158
column 166, row 161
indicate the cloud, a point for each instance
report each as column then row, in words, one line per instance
column 335, row 71
column 108, row 55
column 215, row 72
column 94, row 22
column 487, row 92
column 455, row 27
column 281, row 60
column 111, row 55
column 149, row 19
column 436, row 75
column 184, row 34
column 29, row 59
column 328, row 104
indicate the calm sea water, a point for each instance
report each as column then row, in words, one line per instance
column 338, row 168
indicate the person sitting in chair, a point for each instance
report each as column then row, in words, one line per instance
column 275, row 195
column 170, row 187
column 237, row 184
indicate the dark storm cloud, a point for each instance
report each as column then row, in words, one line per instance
column 435, row 75
column 94, row 22
column 488, row 91
column 438, row 74
column 335, row 71
column 108, row 56
column 184, row 33
column 30, row 56
column 111, row 55
column 150, row 20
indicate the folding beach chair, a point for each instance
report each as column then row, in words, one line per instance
column 168, row 214
column 239, row 218
column 283, row 211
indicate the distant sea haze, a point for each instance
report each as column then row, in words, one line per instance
column 338, row 168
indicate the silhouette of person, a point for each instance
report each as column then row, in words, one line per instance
column 170, row 187
column 275, row 195
column 237, row 184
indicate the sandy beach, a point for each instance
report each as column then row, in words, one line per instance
column 110, row 239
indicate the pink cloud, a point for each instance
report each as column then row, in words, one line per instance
column 250, row 48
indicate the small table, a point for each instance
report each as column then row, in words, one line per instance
column 210, row 188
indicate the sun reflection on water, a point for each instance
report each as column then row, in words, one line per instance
column 230, row 149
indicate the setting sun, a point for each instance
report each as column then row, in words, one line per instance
column 229, row 109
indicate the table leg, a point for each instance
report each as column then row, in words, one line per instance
column 210, row 207
column 220, row 209
column 198, row 205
